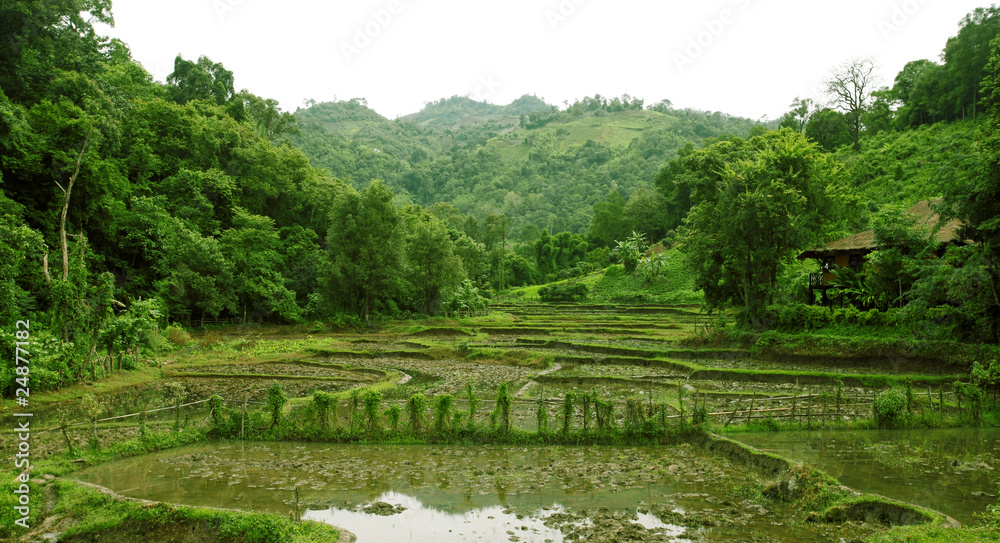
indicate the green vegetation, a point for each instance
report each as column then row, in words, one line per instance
column 97, row 513
column 136, row 217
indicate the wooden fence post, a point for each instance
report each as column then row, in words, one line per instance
column 795, row 400
column 735, row 409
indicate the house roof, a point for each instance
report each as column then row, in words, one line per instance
column 864, row 242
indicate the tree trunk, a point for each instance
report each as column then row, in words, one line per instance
column 65, row 206
column 45, row 269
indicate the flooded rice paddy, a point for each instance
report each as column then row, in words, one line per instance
column 471, row 493
column 953, row 471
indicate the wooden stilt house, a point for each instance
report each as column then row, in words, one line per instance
column 850, row 252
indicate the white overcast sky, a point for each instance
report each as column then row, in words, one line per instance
column 744, row 57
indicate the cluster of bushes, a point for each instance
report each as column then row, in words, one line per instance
column 796, row 317
column 569, row 292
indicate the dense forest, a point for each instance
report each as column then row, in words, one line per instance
column 127, row 203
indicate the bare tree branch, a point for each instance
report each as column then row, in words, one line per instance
column 850, row 85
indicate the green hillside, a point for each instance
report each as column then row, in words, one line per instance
column 545, row 170
column 461, row 111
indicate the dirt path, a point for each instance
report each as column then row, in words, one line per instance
column 555, row 367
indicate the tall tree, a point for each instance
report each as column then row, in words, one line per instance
column 850, row 86
column 975, row 198
column 608, row 223
column 435, row 269
column 254, row 248
column 365, row 245
column 966, row 56
column 769, row 200
column 798, row 116
column 828, row 128
column 201, row 80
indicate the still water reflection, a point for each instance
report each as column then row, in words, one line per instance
column 953, row 471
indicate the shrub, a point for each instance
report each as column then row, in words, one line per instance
column 443, row 405
column 604, row 410
column 415, row 408
column 889, row 408
column 542, row 414
column 633, row 414
column 323, row 401
column 616, row 270
column 473, row 404
column 798, row 317
column 372, row 400
column 572, row 292
column 502, row 412
column 567, row 413
column 392, row 413
column 177, row 335
column 276, row 400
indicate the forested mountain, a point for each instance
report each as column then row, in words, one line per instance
column 461, row 110
column 546, row 170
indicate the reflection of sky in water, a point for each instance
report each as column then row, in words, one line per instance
column 421, row 523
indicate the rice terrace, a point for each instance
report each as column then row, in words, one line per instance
column 489, row 317
column 533, row 422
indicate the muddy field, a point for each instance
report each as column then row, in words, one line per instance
column 547, row 351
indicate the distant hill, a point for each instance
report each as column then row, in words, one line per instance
column 462, row 111
column 540, row 166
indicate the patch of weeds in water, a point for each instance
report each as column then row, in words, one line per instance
column 753, row 492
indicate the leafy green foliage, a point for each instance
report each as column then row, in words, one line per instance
column 365, row 246
column 564, row 292
column 976, row 198
column 502, row 412
column 416, row 406
column 323, row 401
column 468, row 299
column 629, row 251
column 372, row 400
column 769, row 200
column 436, row 269
column 889, row 408
column 276, row 400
